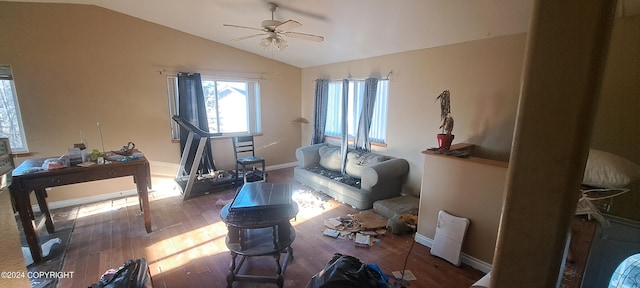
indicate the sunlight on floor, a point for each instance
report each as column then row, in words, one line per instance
column 106, row 206
column 310, row 204
column 175, row 251
column 164, row 188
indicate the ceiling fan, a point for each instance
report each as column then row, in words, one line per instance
column 274, row 31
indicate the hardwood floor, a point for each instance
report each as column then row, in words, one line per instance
column 187, row 245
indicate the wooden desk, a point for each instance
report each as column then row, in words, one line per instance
column 258, row 224
column 24, row 181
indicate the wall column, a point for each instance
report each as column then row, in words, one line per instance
column 564, row 63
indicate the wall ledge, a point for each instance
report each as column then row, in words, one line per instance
column 469, row 147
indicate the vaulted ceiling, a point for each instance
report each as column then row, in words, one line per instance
column 353, row 29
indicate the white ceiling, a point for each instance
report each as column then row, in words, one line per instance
column 353, row 29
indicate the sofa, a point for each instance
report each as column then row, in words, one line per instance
column 369, row 176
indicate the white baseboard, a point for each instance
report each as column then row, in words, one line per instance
column 281, row 166
column 466, row 259
column 87, row 200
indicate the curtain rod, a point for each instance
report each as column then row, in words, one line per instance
column 388, row 77
column 216, row 73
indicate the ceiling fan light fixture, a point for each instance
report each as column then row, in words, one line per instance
column 266, row 42
column 273, row 39
column 280, row 43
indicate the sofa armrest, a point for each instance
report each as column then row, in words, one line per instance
column 308, row 156
column 392, row 170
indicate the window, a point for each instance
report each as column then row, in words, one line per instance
column 233, row 105
column 378, row 130
column 10, row 119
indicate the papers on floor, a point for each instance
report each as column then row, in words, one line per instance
column 331, row 233
column 406, row 276
column 46, row 248
column 363, row 228
column 363, row 240
column 333, row 223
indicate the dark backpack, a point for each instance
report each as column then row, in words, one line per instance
column 133, row 274
column 344, row 271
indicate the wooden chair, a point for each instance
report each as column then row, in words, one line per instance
column 245, row 156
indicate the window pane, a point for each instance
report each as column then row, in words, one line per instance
column 334, row 109
column 356, row 95
column 378, row 130
column 233, row 106
column 10, row 122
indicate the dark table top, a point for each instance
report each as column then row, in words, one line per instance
column 260, row 204
column 33, row 167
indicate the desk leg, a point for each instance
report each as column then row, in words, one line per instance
column 23, row 204
column 41, row 195
column 143, row 195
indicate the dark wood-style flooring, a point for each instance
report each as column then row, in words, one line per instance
column 187, row 245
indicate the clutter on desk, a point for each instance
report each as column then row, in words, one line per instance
column 96, row 154
column 80, row 155
column 77, row 155
column 121, row 158
column 126, row 150
column 53, row 163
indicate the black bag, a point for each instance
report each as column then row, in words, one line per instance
column 133, row 274
column 344, row 271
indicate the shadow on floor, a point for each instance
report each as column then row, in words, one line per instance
column 64, row 221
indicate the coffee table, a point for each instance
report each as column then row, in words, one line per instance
column 258, row 225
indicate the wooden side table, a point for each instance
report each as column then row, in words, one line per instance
column 27, row 178
column 260, row 229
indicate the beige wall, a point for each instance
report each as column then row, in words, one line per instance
column 617, row 127
column 76, row 65
column 483, row 77
column 470, row 188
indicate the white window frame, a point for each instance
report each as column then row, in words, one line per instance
column 17, row 145
column 253, row 105
column 379, row 121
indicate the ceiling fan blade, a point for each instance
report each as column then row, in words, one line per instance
column 288, row 26
column 247, row 37
column 304, row 36
column 243, row 27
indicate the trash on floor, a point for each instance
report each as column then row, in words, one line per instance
column 363, row 228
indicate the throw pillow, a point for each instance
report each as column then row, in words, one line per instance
column 608, row 170
column 358, row 161
column 330, row 157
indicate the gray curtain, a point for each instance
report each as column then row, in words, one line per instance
column 320, row 113
column 192, row 108
column 362, row 141
column 344, row 146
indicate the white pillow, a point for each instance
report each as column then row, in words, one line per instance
column 330, row 158
column 358, row 161
column 608, row 170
